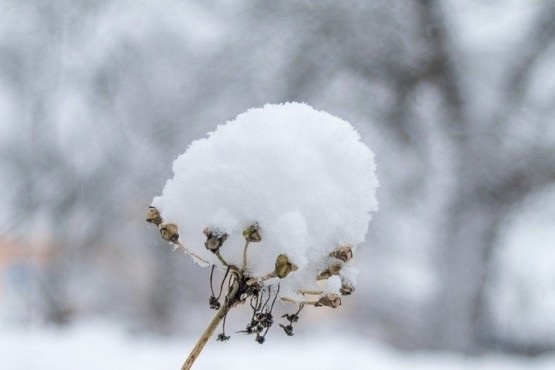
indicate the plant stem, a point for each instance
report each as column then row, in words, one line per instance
column 245, row 255
column 222, row 312
column 289, row 300
column 232, row 267
column 191, row 253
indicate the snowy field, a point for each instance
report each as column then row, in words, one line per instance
column 99, row 346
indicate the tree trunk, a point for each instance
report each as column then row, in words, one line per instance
column 468, row 237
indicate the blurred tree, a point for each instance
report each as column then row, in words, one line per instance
column 106, row 95
column 413, row 52
column 57, row 199
column 494, row 167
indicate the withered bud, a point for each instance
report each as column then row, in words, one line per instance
column 153, row 216
column 252, row 233
column 222, row 337
column 169, row 232
column 343, row 253
column 330, row 271
column 213, row 303
column 346, row 289
column 329, row 300
column 283, row 266
column 288, row 329
column 214, row 239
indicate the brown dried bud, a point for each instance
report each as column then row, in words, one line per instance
column 283, row 266
column 153, row 216
column 329, row 300
column 169, row 233
column 252, row 233
column 214, row 239
column 343, row 253
column 330, row 271
column 346, row 289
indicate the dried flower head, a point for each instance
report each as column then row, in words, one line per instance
column 283, row 267
column 332, row 270
column 343, row 253
column 245, row 171
column 169, row 233
column 252, row 233
column 214, row 239
column 329, row 300
column 153, row 216
column 346, row 288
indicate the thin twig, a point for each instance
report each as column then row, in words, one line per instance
column 191, row 253
column 211, row 275
column 222, row 284
column 275, row 297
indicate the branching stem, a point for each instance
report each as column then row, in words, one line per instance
column 222, row 312
column 224, row 262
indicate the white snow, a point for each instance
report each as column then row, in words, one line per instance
column 99, row 345
column 333, row 284
column 303, row 175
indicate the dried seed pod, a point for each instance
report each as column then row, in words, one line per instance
column 288, row 329
column 329, row 300
column 265, row 319
column 330, row 271
column 222, row 337
column 252, row 233
column 291, row 317
column 213, row 303
column 343, row 253
column 169, row 233
column 283, row 267
column 346, row 288
column 153, row 216
column 214, row 239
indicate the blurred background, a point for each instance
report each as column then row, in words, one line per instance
column 455, row 97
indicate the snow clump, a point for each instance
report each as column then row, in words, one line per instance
column 301, row 177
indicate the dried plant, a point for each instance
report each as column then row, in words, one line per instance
column 238, row 286
column 279, row 198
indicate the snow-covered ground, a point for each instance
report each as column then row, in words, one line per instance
column 99, row 345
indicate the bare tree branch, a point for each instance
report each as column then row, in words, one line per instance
column 530, row 172
column 531, row 49
column 440, row 68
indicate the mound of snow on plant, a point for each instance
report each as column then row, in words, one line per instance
column 302, row 175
